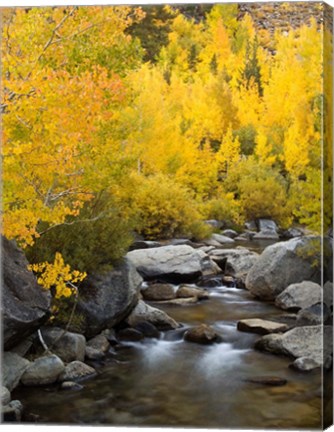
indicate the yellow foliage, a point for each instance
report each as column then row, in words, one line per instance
column 57, row 275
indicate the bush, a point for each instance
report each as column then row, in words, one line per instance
column 165, row 209
column 260, row 190
column 225, row 208
column 91, row 242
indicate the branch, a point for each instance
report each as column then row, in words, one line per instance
column 76, row 221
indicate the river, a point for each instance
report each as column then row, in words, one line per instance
column 171, row 382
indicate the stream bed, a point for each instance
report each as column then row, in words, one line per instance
column 171, row 382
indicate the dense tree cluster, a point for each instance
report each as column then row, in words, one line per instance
column 125, row 119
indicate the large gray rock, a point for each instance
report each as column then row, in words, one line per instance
column 13, row 367
column 239, row 260
column 44, row 370
column 305, row 342
column 299, row 296
column 68, row 346
column 172, row 263
column 107, row 299
column 267, row 230
column 143, row 312
column 283, row 264
column 25, row 305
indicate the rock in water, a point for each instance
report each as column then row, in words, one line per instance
column 145, row 313
column 174, row 264
column 202, row 334
column 158, row 291
column 13, row 367
column 239, row 260
column 44, row 370
column 107, row 299
column 260, row 326
column 302, row 342
column 283, row 264
column 299, row 296
column 76, row 370
column 25, row 304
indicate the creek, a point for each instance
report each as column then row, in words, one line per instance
column 171, row 382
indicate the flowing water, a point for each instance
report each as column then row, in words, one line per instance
column 170, row 382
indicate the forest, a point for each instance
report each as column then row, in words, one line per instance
column 123, row 120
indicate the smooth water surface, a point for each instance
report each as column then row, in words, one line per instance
column 170, row 382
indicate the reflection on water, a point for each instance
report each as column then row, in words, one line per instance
column 170, row 382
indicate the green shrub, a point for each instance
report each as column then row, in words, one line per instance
column 91, row 242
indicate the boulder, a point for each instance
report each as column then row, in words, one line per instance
column 174, row 264
column 222, row 239
column 251, row 225
column 246, row 236
column 292, row 233
column 305, row 364
column 143, row 312
column 230, row 233
column 67, row 345
column 239, row 260
column 76, row 371
column 13, row 367
column 283, row 264
column 202, row 334
column 180, row 301
column 267, row 230
column 260, row 326
column 5, row 396
column 299, row 296
column 25, row 304
column 318, row 313
column 106, row 299
column 12, row 412
column 94, row 354
column 214, row 223
column 185, row 291
column 300, row 342
column 158, row 291
column 44, row 370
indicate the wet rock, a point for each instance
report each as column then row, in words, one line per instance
column 25, row 304
column 172, row 264
column 328, row 294
column 147, row 329
column 180, row 301
column 210, row 281
column 67, row 345
column 44, row 370
column 5, row 396
column 299, row 296
column 305, row 364
column 260, row 326
column 94, row 354
column 77, row 370
column 316, row 314
column 230, row 233
column 130, row 334
column 246, row 236
column 12, row 412
column 239, row 260
column 71, row 385
column 106, row 299
column 222, row 239
column 185, row 291
column 292, row 233
column 214, row 223
column 110, row 334
column 13, row 367
column 299, row 342
column 267, row 380
column 267, row 230
column 143, row 312
column 158, row 291
column 202, row 334
column 283, row 264
column 251, row 225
